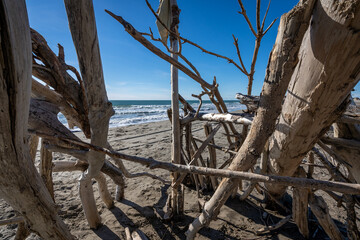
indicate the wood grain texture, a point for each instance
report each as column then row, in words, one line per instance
column 20, row 184
column 327, row 71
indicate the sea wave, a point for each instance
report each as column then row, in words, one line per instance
column 145, row 112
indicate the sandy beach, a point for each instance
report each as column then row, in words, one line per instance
column 146, row 197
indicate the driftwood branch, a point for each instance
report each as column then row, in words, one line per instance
column 341, row 142
column 242, row 69
column 13, row 220
column 138, row 36
column 54, row 73
column 226, row 150
column 241, row 118
column 274, row 227
column 349, row 188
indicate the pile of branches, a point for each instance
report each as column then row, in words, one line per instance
column 284, row 129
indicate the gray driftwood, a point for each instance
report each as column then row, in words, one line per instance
column 83, row 30
column 20, row 184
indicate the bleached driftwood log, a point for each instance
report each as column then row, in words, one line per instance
column 83, row 30
column 20, row 184
column 349, row 151
column 282, row 61
column 319, row 85
column 237, row 118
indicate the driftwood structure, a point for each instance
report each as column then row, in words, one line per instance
column 304, row 112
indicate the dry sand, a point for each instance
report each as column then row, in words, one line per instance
column 146, row 197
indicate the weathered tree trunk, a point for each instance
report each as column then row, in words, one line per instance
column 83, row 30
column 20, row 184
column 328, row 69
column 283, row 59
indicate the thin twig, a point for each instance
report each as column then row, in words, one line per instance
column 243, row 12
column 190, row 42
column 267, row 10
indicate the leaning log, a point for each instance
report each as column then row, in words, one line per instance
column 20, row 184
column 321, row 211
column 319, row 84
column 83, row 31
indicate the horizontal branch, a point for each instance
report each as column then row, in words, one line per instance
column 348, row 188
column 241, row 118
column 13, row 220
column 69, row 166
column 108, row 168
column 341, row 142
column 349, row 119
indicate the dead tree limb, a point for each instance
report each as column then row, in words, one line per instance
column 259, row 33
column 138, row 36
column 177, row 206
column 54, row 73
column 349, row 188
column 236, row 118
column 13, row 220
column 45, row 93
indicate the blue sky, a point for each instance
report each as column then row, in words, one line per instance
column 132, row 72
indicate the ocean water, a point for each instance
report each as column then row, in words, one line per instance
column 131, row 112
